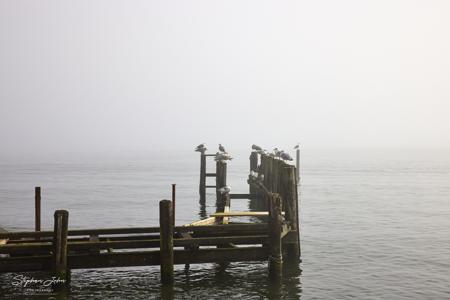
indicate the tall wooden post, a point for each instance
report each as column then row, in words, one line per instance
column 297, row 164
column 202, row 186
column 166, row 241
column 173, row 203
column 275, row 228
column 254, row 168
column 221, row 181
column 37, row 208
column 60, row 245
column 291, row 202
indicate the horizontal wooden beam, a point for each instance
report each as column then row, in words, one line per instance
column 210, row 186
column 137, row 230
column 26, row 263
column 210, row 174
column 148, row 258
column 241, row 214
column 242, row 196
column 128, row 259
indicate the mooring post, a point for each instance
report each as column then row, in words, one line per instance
column 275, row 228
column 166, row 241
column 202, row 186
column 297, row 164
column 37, row 208
column 60, row 246
column 221, row 181
column 173, row 203
column 291, row 202
column 254, row 168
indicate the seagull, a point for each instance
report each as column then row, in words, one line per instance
column 225, row 189
column 222, row 157
column 286, row 156
column 201, row 148
column 297, row 146
column 222, row 149
column 277, row 152
column 256, row 147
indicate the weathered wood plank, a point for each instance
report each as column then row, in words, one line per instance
column 243, row 196
column 27, row 263
column 136, row 230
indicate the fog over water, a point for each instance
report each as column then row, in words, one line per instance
column 103, row 102
column 115, row 76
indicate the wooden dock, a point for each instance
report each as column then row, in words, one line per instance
column 216, row 239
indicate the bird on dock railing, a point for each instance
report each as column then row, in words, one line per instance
column 223, row 157
column 225, row 189
column 286, row 156
column 277, row 153
column 297, row 146
column 222, row 148
column 201, row 148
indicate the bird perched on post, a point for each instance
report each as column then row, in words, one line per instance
column 277, row 152
column 297, row 146
column 256, row 147
column 201, row 148
column 225, row 189
column 286, row 156
column 223, row 157
column 222, row 149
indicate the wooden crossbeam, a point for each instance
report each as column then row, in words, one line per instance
column 241, row 214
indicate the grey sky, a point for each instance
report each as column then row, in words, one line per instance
column 85, row 76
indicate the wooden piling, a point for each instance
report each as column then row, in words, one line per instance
column 291, row 202
column 221, row 181
column 60, row 245
column 275, row 229
column 254, row 168
column 202, row 186
column 37, row 208
column 173, row 203
column 166, row 241
column 297, row 164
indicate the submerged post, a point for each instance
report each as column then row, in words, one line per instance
column 202, row 186
column 254, row 168
column 275, row 228
column 37, row 208
column 166, row 241
column 60, row 246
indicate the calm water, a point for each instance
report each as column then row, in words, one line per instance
column 374, row 225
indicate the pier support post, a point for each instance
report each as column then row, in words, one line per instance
column 221, row 181
column 297, row 164
column 166, row 241
column 202, row 186
column 291, row 202
column 60, row 246
column 37, row 208
column 275, row 229
column 174, row 186
column 254, row 168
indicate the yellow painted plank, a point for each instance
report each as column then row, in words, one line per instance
column 241, row 214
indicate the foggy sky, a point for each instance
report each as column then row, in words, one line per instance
column 82, row 76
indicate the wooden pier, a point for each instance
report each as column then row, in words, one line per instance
column 273, row 197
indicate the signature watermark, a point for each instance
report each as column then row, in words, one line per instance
column 32, row 285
